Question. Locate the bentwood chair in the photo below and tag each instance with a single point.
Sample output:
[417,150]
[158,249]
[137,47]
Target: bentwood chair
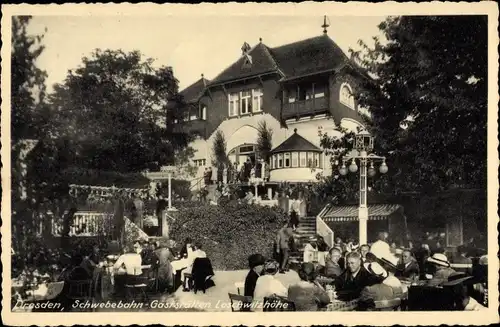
[245,302]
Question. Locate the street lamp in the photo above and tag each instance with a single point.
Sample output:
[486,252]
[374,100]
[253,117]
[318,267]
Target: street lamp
[363,144]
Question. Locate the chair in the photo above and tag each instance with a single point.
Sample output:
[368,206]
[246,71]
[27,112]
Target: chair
[137,284]
[245,301]
[80,290]
[278,303]
[388,305]
[239,287]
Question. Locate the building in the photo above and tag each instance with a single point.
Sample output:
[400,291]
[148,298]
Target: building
[298,89]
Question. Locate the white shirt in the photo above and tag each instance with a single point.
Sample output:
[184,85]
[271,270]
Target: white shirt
[266,286]
[132,263]
[310,253]
[473,305]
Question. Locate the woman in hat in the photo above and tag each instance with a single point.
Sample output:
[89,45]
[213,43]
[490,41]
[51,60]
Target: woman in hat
[443,270]
[268,285]
[462,288]
[307,294]
[256,265]
[385,289]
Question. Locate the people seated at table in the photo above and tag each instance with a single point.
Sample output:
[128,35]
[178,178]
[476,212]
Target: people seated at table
[332,266]
[353,279]
[462,288]
[268,285]
[130,262]
[460,262]
[307,294]
[148,255]
[166,272]
[363,250]
[443,270]
[256,264]
[381,245]
[186,248]
[387,287]
[197,252]
[408,267]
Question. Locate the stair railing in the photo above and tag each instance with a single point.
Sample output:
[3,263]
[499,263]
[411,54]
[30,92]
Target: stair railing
[324,230]
[197,185]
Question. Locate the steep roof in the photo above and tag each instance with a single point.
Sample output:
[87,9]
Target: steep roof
[262,62]
[309,56]
[296,143]
[194,91]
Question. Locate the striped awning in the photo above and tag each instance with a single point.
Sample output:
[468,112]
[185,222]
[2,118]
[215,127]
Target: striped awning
[350,213]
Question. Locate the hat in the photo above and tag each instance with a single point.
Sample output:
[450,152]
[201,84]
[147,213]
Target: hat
[457,278]
[483,260]
[376,269]
[439,259]
[271,266]
[256,260]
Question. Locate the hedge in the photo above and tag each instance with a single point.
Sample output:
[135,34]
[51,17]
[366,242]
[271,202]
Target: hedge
[230,233]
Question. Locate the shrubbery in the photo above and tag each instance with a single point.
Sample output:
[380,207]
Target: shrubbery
[229,233]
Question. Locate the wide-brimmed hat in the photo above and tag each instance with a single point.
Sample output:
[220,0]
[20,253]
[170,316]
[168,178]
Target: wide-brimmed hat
[376,269]
[439,259]
[458,278]
[256,260]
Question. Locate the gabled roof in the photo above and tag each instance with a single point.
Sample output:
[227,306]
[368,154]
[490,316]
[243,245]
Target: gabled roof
[309,56]
[296,143]
[193,92]
[262,62]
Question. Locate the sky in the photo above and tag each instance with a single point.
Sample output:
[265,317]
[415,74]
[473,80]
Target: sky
[191,45]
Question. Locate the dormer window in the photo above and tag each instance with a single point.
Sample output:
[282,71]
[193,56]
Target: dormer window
[346,96]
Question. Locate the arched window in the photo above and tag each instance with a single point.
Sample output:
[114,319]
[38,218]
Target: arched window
[346,96]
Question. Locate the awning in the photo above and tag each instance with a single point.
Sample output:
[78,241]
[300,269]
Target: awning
[350,213]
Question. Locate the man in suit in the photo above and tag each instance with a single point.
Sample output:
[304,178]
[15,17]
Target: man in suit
[385,289]
[256,263]
[354,279]
[408,268]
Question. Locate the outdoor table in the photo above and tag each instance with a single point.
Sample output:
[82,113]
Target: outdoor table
[338,305]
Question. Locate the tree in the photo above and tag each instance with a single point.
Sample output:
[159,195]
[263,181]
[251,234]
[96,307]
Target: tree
[113,112]
[428,101]
[219,153]
[264,140]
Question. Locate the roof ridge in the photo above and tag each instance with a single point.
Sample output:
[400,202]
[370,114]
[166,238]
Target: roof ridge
[234,62]
[300,41]
[268,53]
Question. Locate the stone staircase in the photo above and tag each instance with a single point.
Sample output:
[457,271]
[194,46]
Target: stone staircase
[306,229]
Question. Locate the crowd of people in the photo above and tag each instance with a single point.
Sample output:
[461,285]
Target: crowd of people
[238,172]
[367,273]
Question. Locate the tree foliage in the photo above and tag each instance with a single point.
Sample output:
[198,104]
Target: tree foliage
[428,102]
[264,140]
[219,150]
[113,111]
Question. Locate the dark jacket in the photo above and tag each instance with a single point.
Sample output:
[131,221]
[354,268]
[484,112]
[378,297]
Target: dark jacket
[408,272]
[250,282]
[377,292]
[350,288]
[201,272]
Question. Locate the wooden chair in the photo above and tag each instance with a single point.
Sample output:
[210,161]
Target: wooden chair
[245,301]
[388,305]
[137,285]
[80,290]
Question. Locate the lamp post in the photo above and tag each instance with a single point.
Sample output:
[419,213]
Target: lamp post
[363,144]
[170,170]
[256,181]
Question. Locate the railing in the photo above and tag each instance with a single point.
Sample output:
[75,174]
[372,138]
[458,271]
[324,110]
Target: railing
[304,107]
[85,223]
[198,126]
[324,230]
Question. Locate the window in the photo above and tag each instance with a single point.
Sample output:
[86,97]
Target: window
[245,103]
[233,104]
[203,112]
[200,162]
[303,159]
[316,160]
[346,96]
[193,116]
[319,91]
[246,149]
[295,159]
[275,159]
[280,160]
[287,159]
[257,100]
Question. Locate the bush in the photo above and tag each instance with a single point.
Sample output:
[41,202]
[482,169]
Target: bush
[229,233]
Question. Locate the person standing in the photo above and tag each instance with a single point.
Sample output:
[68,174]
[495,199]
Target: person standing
[283,246]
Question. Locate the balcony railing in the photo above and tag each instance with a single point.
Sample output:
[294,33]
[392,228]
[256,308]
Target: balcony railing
[305,107]
[192,126]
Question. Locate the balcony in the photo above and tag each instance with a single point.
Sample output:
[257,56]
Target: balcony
[304,108]
[196,126]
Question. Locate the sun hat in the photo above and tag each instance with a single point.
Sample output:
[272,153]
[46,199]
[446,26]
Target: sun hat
[457,278]
[483,260]
[376,269]
[439,259]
